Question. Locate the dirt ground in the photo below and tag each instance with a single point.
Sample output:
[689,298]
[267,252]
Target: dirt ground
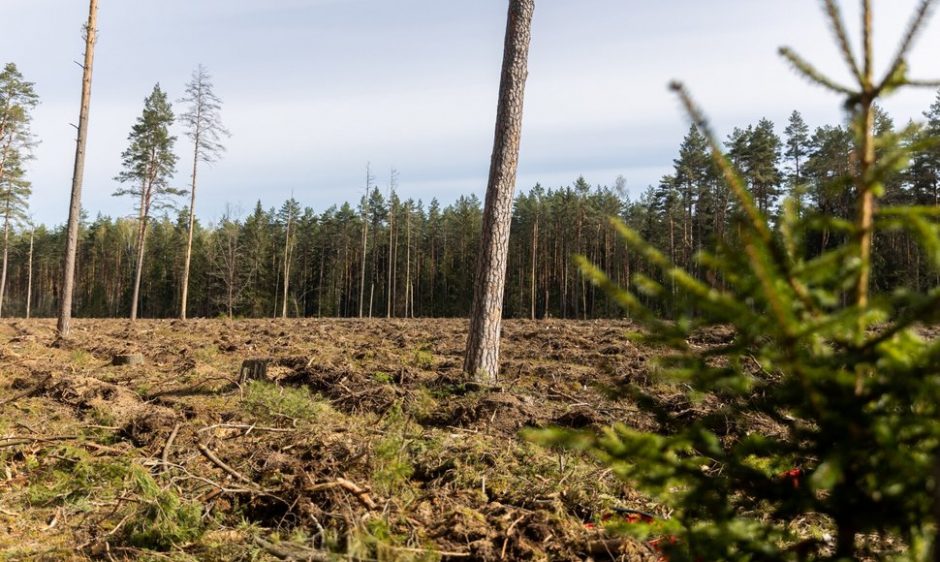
[362,438]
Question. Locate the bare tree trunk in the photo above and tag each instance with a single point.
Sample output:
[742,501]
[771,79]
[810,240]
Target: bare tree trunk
[287,252]
[6,252]
[29,273]
[365,243]
[482,359]
[75,207]
[141,248]
[409,295]
[192,224]
[532,288]
[320,287]
[390,298]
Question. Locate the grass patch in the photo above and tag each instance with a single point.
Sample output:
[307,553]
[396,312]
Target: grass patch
[423,359]
[81,358]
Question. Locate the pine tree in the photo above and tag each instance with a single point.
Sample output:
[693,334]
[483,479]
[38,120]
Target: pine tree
[796,148]
[482,356]
[17,100]
[149,163]
[78,175]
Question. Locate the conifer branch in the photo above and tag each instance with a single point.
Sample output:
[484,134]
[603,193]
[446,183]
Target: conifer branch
[914,27]
[838,29]
[809,72]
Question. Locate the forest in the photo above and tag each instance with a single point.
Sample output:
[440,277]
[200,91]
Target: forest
[419,257]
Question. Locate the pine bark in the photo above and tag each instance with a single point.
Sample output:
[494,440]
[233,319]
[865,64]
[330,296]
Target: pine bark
[139,268]
[29,275]
[287,255]
[6,253]
[75,207]
[482,359]
[187,261]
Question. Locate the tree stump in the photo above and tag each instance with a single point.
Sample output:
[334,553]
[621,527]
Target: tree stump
[128,359]
[253,369]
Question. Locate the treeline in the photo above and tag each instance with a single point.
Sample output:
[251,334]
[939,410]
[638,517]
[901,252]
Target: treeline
[401,258]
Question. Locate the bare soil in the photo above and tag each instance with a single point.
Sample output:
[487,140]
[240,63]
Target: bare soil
[363,438]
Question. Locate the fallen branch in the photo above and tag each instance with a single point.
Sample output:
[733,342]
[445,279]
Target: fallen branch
[286,551]
[165,457]
[443,553]
[218,462]
[248,428]
[361,493]
[15,441]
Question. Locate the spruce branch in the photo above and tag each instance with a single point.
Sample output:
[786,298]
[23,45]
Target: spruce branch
[914,27]
[809,72]
[838,29]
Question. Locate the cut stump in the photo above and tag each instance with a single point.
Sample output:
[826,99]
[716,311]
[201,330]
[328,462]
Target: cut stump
[253,369]
[128,359]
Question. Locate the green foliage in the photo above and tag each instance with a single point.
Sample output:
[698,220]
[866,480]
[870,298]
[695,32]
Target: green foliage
[269,401]
[17,100]
[392,467]
[825,400]
[162,519]
[73,477]
[149,162]
[156,518]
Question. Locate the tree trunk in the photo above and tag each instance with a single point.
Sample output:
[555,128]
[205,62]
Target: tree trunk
[287,252]
[192,224]
[390,297]
[532,287]
[6,253]
[365,243]
[75,207]
[141,247]
[409,296]
[482,359]
[866,196]
[29,274]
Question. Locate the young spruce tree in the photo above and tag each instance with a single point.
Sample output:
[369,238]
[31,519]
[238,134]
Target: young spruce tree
[824,406]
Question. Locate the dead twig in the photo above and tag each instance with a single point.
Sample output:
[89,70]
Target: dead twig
[219,463]
[165,457]
[286,551]
[446,553]
[248,428]
[15,441]
[502,554]
[361,494]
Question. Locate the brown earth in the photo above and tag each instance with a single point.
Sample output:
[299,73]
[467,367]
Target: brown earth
[362,438]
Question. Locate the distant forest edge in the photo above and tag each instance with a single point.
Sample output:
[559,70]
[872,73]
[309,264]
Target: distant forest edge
[419,258]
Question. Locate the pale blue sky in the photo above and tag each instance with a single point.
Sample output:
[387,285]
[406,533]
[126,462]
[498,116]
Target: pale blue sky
[313,89]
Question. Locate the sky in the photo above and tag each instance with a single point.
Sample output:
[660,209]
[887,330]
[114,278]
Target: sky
[313,90]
